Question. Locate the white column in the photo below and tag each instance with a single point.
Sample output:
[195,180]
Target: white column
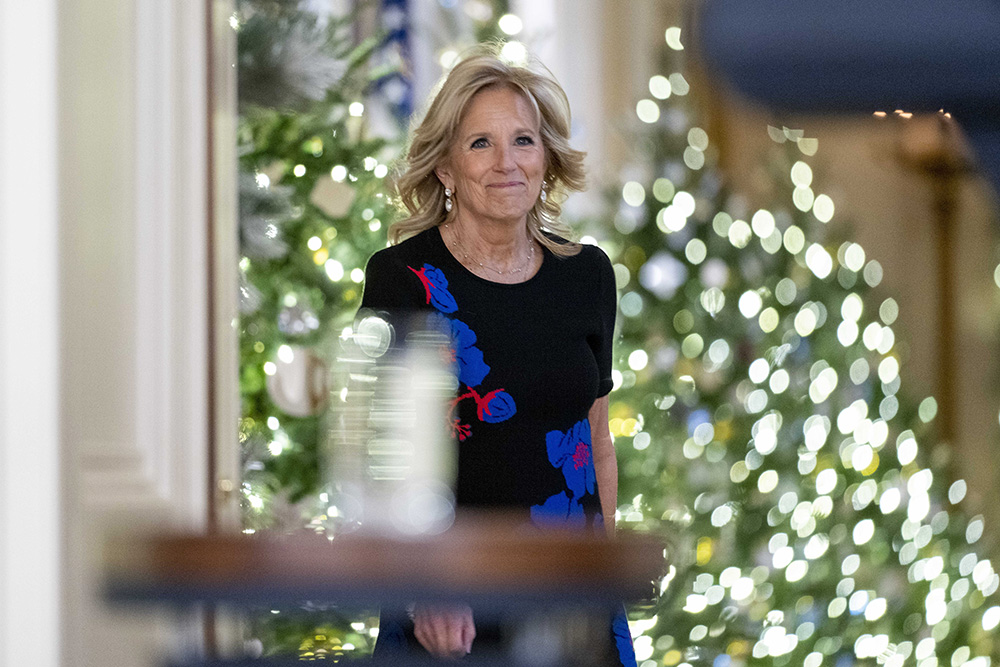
[133,191]
[434,29]
[567,36]
[30,525]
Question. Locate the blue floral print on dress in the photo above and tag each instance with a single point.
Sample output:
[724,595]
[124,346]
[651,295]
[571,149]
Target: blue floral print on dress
[622,637]
[471,367]
[495,407]
[570,451]
[559,510]
[492,407]
[436,286]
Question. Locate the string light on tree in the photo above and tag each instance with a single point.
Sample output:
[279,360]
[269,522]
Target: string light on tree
[769,428]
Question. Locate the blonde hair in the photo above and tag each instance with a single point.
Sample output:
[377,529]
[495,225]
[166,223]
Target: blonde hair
[418,187]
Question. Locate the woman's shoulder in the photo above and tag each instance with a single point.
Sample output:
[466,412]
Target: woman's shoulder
[587,272]
[590,256]
[416,248]
[593,254]
[390,281]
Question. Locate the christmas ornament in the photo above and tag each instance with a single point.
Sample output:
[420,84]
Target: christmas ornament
[297,320]
[249,296]
[332,197]
[264,208]
[298,385]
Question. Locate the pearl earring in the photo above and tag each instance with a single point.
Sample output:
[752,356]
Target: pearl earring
[447,200]
[543,196]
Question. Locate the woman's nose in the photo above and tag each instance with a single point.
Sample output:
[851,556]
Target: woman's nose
[504,159]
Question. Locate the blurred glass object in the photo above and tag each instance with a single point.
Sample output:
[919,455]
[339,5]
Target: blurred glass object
[393,463]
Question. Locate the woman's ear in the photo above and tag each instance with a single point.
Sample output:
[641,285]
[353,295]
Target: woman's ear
[444,175]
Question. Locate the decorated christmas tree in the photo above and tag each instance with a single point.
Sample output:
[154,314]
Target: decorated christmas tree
[312,209]
[761,425]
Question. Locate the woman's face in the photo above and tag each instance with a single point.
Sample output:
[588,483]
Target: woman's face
[496,165]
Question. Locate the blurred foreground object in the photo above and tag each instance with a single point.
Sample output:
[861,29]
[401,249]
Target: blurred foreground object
[393,463]
[503,568]
[862,57]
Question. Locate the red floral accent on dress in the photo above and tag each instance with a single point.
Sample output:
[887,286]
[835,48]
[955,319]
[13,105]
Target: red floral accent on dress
[436,286]
[491,408]
[460,430]
[494,407]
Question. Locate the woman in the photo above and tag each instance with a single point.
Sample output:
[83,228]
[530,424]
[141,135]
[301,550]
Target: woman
[531,314]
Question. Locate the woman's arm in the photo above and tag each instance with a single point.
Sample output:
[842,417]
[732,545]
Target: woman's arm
[605,463]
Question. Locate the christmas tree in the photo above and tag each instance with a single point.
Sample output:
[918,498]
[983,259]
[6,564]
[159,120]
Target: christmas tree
[312,209]
[760,425]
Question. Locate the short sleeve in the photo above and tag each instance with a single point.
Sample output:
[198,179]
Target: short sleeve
[393,293]
[607,306]
[385,285]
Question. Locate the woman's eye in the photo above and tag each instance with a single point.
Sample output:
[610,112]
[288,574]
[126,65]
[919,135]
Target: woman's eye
[525,141]
[479,143]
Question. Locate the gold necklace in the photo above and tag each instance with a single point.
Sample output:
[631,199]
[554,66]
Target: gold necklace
[456,243]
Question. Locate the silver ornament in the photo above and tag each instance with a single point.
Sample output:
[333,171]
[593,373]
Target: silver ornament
[297,320]
[299,384]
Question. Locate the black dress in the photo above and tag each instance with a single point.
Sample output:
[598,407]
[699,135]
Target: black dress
[531,358]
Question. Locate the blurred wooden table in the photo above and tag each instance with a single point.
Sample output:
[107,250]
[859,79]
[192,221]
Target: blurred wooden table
[496,565]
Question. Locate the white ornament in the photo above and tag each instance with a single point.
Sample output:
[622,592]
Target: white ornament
[299,384]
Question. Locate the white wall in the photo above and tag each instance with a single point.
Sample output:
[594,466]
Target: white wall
[567,35]
[30,520]
[105,322]
[603,53]
[134,303]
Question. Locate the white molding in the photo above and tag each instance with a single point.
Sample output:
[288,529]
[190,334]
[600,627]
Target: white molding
[103,309]
[124,477]
[164,458]
[225,247]
[136,330]
[30,462]
[154,239]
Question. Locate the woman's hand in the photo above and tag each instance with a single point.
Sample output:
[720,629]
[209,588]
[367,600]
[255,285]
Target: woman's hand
[446,631]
